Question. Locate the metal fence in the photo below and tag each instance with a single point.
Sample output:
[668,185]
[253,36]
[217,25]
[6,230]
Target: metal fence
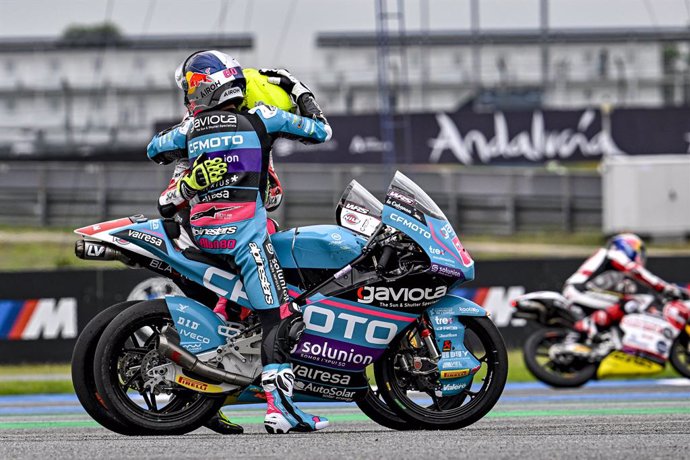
[476,200]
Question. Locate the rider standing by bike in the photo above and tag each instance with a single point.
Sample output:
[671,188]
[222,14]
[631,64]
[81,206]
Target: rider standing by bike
[606,279]
[275,87]
[229,153]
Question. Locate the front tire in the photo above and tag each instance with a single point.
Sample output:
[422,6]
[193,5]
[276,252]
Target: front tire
[559,375]
[484,341]
[376,409]
[127,343]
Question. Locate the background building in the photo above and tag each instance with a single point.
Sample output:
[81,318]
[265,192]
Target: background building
[430,85]
[509,69]
[74,95]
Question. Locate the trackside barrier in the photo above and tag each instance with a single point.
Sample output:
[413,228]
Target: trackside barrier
[476,200]
[42,313]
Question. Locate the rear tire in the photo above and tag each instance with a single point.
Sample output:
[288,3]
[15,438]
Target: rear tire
[680,355]
[553,374]
[122,345]
[82,370]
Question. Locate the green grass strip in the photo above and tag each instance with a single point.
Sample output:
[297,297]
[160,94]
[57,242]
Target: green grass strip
[16,387]
[517,372]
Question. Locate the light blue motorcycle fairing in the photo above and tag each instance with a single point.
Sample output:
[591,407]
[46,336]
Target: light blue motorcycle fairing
[453,304]
[457,365]
[196,324]
[314,246]
[254,394]
[325,246]
[438,240]
[150,235]
[317,246]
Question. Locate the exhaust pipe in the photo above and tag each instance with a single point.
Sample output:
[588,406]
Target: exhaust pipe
[169,346]
[90,250]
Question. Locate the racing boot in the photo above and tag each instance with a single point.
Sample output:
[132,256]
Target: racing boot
[221,424]
[281,415]
[600,320]
[587,328]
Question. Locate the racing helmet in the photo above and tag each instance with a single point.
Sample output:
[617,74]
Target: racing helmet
[210,78]
[631,245]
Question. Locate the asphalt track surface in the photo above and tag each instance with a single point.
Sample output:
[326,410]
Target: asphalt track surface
[612,420]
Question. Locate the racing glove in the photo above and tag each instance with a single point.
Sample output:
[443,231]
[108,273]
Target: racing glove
[171,201]
[673,292]
[287,81]
[308,107]
[204,173]
[274,192]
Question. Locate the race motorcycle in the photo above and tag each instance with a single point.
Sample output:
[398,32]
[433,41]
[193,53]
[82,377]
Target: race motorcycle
[376,291]
[640,344]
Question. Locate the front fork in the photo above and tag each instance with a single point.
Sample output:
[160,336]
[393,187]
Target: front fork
[425,334]
[421,336]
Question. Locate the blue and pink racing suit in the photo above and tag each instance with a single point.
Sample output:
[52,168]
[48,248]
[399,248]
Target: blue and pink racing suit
[229,217]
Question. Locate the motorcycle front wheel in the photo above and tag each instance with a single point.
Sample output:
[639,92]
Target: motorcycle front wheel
[376,409]
[416,401]
[569,374]
[124,353]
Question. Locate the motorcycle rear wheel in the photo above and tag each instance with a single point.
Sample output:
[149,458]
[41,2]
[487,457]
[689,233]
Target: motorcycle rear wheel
[120,350]
[680,355]
[82,371]
[451,412]
[535,354]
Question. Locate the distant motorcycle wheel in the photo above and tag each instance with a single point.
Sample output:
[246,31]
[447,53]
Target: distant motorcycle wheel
[562,375]
[401,391]
[82,371]
[680,355]
[126,349]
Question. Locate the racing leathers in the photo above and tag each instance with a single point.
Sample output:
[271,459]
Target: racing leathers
[273,87]
[604,282]
[228,218]
[169,143]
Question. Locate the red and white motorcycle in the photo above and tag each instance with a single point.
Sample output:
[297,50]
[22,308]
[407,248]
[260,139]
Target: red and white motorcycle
[640,344]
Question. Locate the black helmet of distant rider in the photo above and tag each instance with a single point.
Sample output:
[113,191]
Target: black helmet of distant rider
[209,79]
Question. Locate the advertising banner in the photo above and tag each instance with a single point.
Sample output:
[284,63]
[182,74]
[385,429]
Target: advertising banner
[528,137]
[42,313]
[520,137]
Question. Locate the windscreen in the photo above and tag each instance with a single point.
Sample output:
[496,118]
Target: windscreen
[358,209]
[402,189]
[410,210]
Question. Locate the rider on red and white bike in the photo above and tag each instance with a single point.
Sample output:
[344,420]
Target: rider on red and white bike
[606,282]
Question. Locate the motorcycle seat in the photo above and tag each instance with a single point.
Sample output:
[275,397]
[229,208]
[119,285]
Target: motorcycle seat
[186,244]
[222,262]
[180,236]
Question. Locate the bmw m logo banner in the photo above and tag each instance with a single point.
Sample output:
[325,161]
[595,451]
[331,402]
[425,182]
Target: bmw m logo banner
[38,319]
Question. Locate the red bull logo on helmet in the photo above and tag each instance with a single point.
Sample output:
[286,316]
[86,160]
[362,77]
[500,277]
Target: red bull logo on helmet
[194,79]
